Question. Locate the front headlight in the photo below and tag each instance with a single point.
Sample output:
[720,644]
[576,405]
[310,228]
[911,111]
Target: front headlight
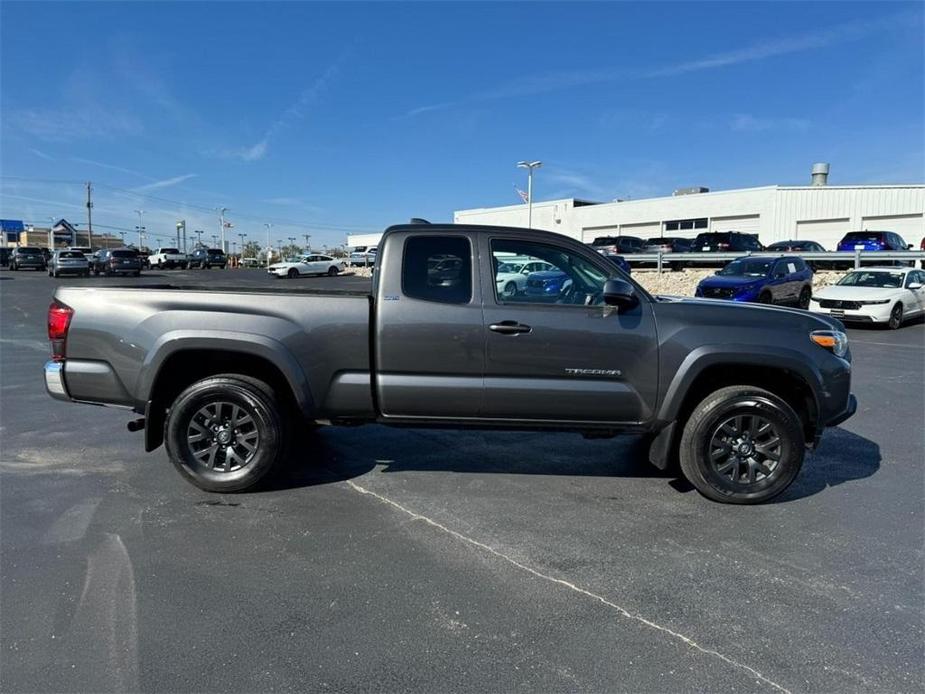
[833,340]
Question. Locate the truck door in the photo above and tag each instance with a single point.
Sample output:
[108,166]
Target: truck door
[556,352]
[429,340]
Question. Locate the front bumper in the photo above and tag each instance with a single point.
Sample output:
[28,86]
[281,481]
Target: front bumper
[872,313]
[54,380]
[849,411]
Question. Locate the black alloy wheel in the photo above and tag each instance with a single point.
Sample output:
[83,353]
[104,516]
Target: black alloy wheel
[896,317]
[805,295]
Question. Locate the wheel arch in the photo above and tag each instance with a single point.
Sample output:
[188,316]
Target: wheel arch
[184,361]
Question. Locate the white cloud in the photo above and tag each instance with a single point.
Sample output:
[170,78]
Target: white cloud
[166,183]
[744,122]
[41,155]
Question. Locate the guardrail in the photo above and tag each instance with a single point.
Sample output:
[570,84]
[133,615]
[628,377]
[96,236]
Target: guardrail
[852,258]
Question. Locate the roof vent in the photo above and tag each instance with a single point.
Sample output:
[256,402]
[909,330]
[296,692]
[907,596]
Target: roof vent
[820,174]
[691,191]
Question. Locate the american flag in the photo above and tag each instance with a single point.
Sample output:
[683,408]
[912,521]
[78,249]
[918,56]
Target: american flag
[523,195]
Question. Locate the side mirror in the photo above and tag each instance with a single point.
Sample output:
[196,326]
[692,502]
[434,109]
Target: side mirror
[619,293]
[915,285]
[909,246]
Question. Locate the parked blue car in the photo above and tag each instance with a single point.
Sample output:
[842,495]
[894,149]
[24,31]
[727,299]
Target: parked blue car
[550,283]
[784,280]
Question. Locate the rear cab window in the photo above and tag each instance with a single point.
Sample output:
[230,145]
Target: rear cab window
[437,268]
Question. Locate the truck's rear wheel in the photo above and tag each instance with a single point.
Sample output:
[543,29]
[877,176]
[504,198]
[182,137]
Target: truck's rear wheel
[226,433]
[742,445]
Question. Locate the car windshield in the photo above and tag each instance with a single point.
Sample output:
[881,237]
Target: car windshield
[510,268]
[863,236]
[884,280]
[214,251]
[747,268]
[70,254]
[604,241]
[172,251]
[28,250]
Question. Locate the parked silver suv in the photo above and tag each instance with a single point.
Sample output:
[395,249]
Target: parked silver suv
[68,263]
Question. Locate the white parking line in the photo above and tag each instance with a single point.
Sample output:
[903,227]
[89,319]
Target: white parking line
[883,344]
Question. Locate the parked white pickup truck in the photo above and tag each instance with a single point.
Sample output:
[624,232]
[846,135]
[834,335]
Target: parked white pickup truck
[168,258]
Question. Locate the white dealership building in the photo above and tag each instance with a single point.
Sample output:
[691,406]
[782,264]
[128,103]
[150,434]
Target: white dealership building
[819,212]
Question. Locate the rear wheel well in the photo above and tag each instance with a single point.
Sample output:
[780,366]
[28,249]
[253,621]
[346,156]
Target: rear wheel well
[782,382]
[182,369]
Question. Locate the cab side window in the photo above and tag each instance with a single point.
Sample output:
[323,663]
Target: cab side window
[438,268]
[561,276]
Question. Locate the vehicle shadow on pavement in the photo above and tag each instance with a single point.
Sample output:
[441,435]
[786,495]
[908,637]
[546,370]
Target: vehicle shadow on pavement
[338,455]
[841,457]
[343,454]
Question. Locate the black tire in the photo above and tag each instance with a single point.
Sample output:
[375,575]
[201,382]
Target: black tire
[96,271]
[332,271]
[765,426]
[49,273]
[292,274]
[765,298]
[510,289]
[805,295]
[14,267]
[896,317]
[262,426]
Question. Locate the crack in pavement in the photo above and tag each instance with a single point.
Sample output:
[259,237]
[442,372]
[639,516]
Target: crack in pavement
[571,586]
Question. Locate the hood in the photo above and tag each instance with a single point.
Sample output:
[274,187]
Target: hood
[731,281]
[855,293]
[722,314]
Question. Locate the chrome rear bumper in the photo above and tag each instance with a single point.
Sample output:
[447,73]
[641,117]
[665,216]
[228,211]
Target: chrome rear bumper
[54,380]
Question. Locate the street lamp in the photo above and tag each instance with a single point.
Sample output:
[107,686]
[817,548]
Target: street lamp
[199,233]
[140,228]
[242,237]
[221,220]
[308,242]
[529,166]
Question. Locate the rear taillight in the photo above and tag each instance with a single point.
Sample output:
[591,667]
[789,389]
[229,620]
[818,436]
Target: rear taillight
[722,245]
[59,320]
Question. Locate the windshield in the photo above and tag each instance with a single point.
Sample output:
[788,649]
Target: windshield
[604,241]
[70,254]
[747,268]
[123,254]
[510,268]
[28,250]
[883,280]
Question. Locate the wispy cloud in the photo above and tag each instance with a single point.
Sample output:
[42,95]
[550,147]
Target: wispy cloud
[744,122]
[166,183]
[111,167]
[41,155]
[80,123]
[762,50]
[294,113]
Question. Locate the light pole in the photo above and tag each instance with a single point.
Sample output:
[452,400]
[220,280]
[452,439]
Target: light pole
[181,225]
[199,233]
[291,240]
[215,241]
[308,242]
[140,228]
[221,221]
[529,166]
[242,237]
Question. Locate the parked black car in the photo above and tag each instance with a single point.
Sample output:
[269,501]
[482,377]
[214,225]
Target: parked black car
[725,242]
[800,246]
[116,261]
[205,258]
[27,257]
[5,253]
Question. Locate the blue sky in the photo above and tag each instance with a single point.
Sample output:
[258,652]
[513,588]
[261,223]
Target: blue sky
[333,118]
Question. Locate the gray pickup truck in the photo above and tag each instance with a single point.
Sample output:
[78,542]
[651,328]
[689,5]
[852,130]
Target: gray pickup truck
[227,376]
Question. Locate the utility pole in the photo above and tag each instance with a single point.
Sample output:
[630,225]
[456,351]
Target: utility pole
[181,225]
[242,236]
[199,233]
[89,216]
[291,240]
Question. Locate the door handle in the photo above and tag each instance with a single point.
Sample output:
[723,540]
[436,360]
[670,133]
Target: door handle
[510,327]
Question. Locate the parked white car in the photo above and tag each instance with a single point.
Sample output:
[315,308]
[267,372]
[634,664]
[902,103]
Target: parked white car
[887,295]
[308,265]
[168,258]
[511,275]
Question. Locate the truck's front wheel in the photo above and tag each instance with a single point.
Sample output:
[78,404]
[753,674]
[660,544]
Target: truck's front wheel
[226,433]
[742,445]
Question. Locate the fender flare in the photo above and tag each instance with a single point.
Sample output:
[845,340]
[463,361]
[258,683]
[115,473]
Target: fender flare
[749,355]
[176,341]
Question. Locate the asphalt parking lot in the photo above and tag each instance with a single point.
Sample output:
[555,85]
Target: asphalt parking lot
[424,560]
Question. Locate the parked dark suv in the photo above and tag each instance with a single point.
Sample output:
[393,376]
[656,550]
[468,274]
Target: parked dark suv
[618,244]
[27,257]
[725,242]
[205,258]
[116,261]
[800,246]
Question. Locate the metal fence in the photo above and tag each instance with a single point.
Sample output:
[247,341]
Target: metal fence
[839,259]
